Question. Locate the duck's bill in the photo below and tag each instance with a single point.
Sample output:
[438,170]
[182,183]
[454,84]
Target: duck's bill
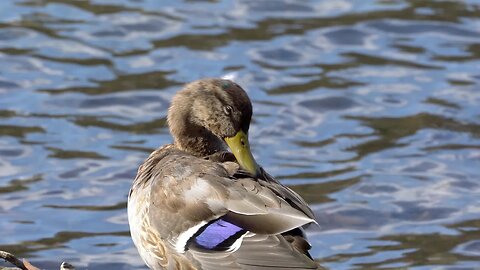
[241,150]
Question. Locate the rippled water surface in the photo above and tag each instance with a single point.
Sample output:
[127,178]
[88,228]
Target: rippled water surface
[369,109]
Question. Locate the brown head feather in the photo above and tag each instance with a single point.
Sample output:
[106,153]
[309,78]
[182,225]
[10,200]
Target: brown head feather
[206,111]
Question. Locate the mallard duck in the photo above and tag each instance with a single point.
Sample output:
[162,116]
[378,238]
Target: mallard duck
[196,205]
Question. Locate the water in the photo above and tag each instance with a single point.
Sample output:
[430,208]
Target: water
[369,109]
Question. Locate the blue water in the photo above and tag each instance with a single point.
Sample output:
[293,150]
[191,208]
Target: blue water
[369,109]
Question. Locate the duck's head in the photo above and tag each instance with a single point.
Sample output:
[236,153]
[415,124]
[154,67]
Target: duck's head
[208,114]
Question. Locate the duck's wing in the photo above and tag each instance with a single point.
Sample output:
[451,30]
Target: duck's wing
[280,190]
[263,222]
[286,193]
[257,252]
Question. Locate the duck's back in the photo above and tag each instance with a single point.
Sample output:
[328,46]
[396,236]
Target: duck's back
[190,213]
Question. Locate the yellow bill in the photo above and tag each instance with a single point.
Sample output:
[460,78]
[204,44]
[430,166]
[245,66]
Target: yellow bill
[241,150]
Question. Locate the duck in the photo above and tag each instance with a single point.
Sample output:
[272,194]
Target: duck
[203,202]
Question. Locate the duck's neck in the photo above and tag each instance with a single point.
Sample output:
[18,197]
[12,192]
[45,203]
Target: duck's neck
[191,137]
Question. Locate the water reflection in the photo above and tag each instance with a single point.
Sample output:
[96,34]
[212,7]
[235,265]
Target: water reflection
[369,109]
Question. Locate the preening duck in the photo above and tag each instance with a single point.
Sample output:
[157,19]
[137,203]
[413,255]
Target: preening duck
[204,203]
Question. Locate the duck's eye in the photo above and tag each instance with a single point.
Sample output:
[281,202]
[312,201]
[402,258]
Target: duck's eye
[225,85]
[227,109]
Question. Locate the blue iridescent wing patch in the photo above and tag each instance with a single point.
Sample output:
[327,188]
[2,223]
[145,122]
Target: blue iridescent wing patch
[218,235]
